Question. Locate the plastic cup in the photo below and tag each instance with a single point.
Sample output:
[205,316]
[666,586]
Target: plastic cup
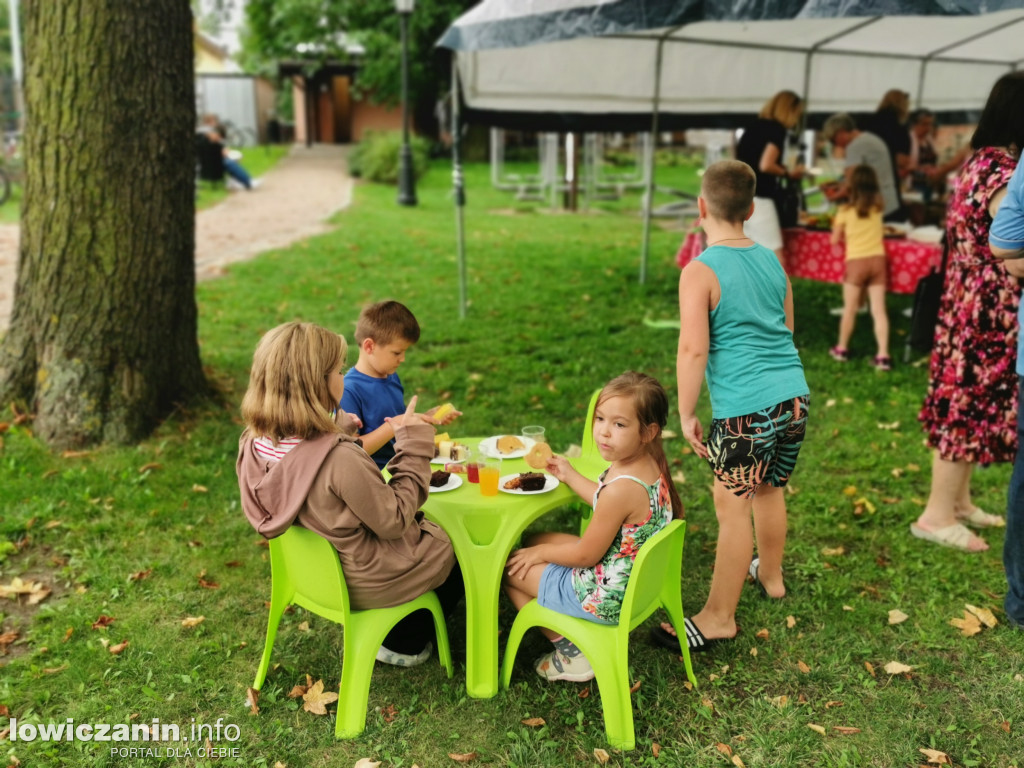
[535,432]
[473,471]
[489,474]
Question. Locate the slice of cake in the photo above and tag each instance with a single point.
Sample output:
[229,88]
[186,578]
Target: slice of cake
[507,444]
[439,478]
[527,481]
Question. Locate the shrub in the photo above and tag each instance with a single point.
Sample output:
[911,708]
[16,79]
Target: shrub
[375,157]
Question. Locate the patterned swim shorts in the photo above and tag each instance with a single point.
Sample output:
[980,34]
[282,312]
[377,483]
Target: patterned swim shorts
[748,451]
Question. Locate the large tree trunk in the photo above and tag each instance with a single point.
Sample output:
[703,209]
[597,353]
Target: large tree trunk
[102,342]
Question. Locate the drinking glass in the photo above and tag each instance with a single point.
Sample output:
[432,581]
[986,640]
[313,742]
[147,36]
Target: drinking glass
[488,472]
[535,432]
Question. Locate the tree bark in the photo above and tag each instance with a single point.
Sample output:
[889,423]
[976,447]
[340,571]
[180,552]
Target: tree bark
[103,339]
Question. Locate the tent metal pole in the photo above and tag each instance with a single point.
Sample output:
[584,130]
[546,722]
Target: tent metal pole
[649,193]
[458,188]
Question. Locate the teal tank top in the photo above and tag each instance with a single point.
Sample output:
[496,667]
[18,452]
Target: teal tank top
[752,361]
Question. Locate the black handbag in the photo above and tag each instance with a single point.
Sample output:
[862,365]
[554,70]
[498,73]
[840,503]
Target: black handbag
[925,312]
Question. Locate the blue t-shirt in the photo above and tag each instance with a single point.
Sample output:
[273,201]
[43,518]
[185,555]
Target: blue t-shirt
[1007,231]
[372,399]
[752,361]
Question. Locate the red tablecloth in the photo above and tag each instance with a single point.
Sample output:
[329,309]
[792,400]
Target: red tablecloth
[810,254]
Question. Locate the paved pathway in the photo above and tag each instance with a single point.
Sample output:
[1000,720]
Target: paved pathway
[293,201]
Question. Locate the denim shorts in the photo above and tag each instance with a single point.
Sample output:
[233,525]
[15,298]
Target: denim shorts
[556,592]
[759,448]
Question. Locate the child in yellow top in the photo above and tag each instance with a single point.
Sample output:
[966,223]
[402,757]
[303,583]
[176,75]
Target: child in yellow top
[859,223]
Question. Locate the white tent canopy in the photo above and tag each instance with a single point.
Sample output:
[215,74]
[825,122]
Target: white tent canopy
[597,59]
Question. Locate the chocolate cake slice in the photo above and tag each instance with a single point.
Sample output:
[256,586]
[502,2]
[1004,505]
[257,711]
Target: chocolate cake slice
[527,481]
[439,478]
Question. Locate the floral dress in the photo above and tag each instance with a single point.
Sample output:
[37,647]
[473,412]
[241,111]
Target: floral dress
[602,588]
[970,411]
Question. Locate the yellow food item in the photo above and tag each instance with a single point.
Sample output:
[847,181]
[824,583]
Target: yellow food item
[438,439]
[443,411]
[509,444]
[537,457]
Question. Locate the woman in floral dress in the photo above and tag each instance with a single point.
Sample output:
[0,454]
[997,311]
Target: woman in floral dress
[970,411]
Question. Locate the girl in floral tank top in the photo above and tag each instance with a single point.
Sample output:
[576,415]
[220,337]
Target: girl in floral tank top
[602,588]
[586,576]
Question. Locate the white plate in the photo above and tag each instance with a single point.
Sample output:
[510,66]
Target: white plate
[550,483]
[454,481]
[489,447]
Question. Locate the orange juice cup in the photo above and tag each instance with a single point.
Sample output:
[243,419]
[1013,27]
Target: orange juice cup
[489,479]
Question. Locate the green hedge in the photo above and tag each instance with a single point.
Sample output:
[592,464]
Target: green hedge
[375,157]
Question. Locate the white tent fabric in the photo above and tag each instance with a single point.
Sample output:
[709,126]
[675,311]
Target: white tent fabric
[690,57]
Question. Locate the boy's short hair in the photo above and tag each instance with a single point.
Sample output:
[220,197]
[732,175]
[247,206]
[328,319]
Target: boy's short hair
[385,322]
[838,122]
[728,189]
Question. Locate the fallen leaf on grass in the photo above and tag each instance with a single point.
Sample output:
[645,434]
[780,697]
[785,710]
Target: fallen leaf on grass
[74,454]
[845,730]
[140,575]
[150,467]
[206,584]
[55,670]
[68,634]
[116,649]
[655,749]
[850,490]
[53,524]
[779,701]
[300,690]
[753,651]
[891,425]
[803,667]
[870,668]
[315,700]
[303,626]
[833,551]
[969,625]
[365,762]
[192,621]
[584,693]
[763,633]
[389,713]
[934,756]
[790,622]
[816,728]
[252,698]
[103,621]
[279,764]
[463,757]
[635,687]
[602,756]
[709,704]
[830,704]
[35,591]
[863,502]
[725,749]
[196,488]
[897,616]
[4,734]
[738,762]
[985,616]
[896,668]
[533,722]
[6,639]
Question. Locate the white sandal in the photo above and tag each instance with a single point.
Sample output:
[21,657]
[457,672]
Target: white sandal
[956,536]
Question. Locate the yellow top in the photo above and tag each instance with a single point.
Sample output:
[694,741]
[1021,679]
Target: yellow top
[863,236]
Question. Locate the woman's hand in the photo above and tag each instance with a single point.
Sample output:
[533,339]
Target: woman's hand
[408,417]
[522,560]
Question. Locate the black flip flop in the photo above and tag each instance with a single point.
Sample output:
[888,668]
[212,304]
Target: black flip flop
[694,638]
[660,636]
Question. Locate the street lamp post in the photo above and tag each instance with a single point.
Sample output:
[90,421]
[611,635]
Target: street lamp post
[406,173]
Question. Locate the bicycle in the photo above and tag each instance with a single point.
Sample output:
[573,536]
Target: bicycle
[11,165]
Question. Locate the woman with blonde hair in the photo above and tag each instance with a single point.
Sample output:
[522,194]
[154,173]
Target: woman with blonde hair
[300,462]
[762,146]
[889,123]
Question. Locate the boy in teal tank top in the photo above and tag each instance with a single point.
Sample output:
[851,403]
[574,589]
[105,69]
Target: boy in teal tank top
[736,329]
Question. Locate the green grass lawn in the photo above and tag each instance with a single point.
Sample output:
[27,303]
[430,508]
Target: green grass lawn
[151,535]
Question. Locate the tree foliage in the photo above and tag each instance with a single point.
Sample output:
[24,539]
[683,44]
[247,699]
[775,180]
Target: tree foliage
[318,31]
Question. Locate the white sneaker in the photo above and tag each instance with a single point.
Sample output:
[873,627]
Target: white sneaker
[387,656]
[558,666]
[255,183]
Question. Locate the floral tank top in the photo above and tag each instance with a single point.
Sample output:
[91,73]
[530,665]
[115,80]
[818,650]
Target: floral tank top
[602,588]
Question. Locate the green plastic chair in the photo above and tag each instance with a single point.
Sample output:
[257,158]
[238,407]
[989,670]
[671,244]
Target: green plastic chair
[654,581]
[306,571]
[590,455]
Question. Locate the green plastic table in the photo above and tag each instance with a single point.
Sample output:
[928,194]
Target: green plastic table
[483,530]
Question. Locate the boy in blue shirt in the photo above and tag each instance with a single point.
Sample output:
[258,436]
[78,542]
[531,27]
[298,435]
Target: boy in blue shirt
[373,392]
[736,328]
